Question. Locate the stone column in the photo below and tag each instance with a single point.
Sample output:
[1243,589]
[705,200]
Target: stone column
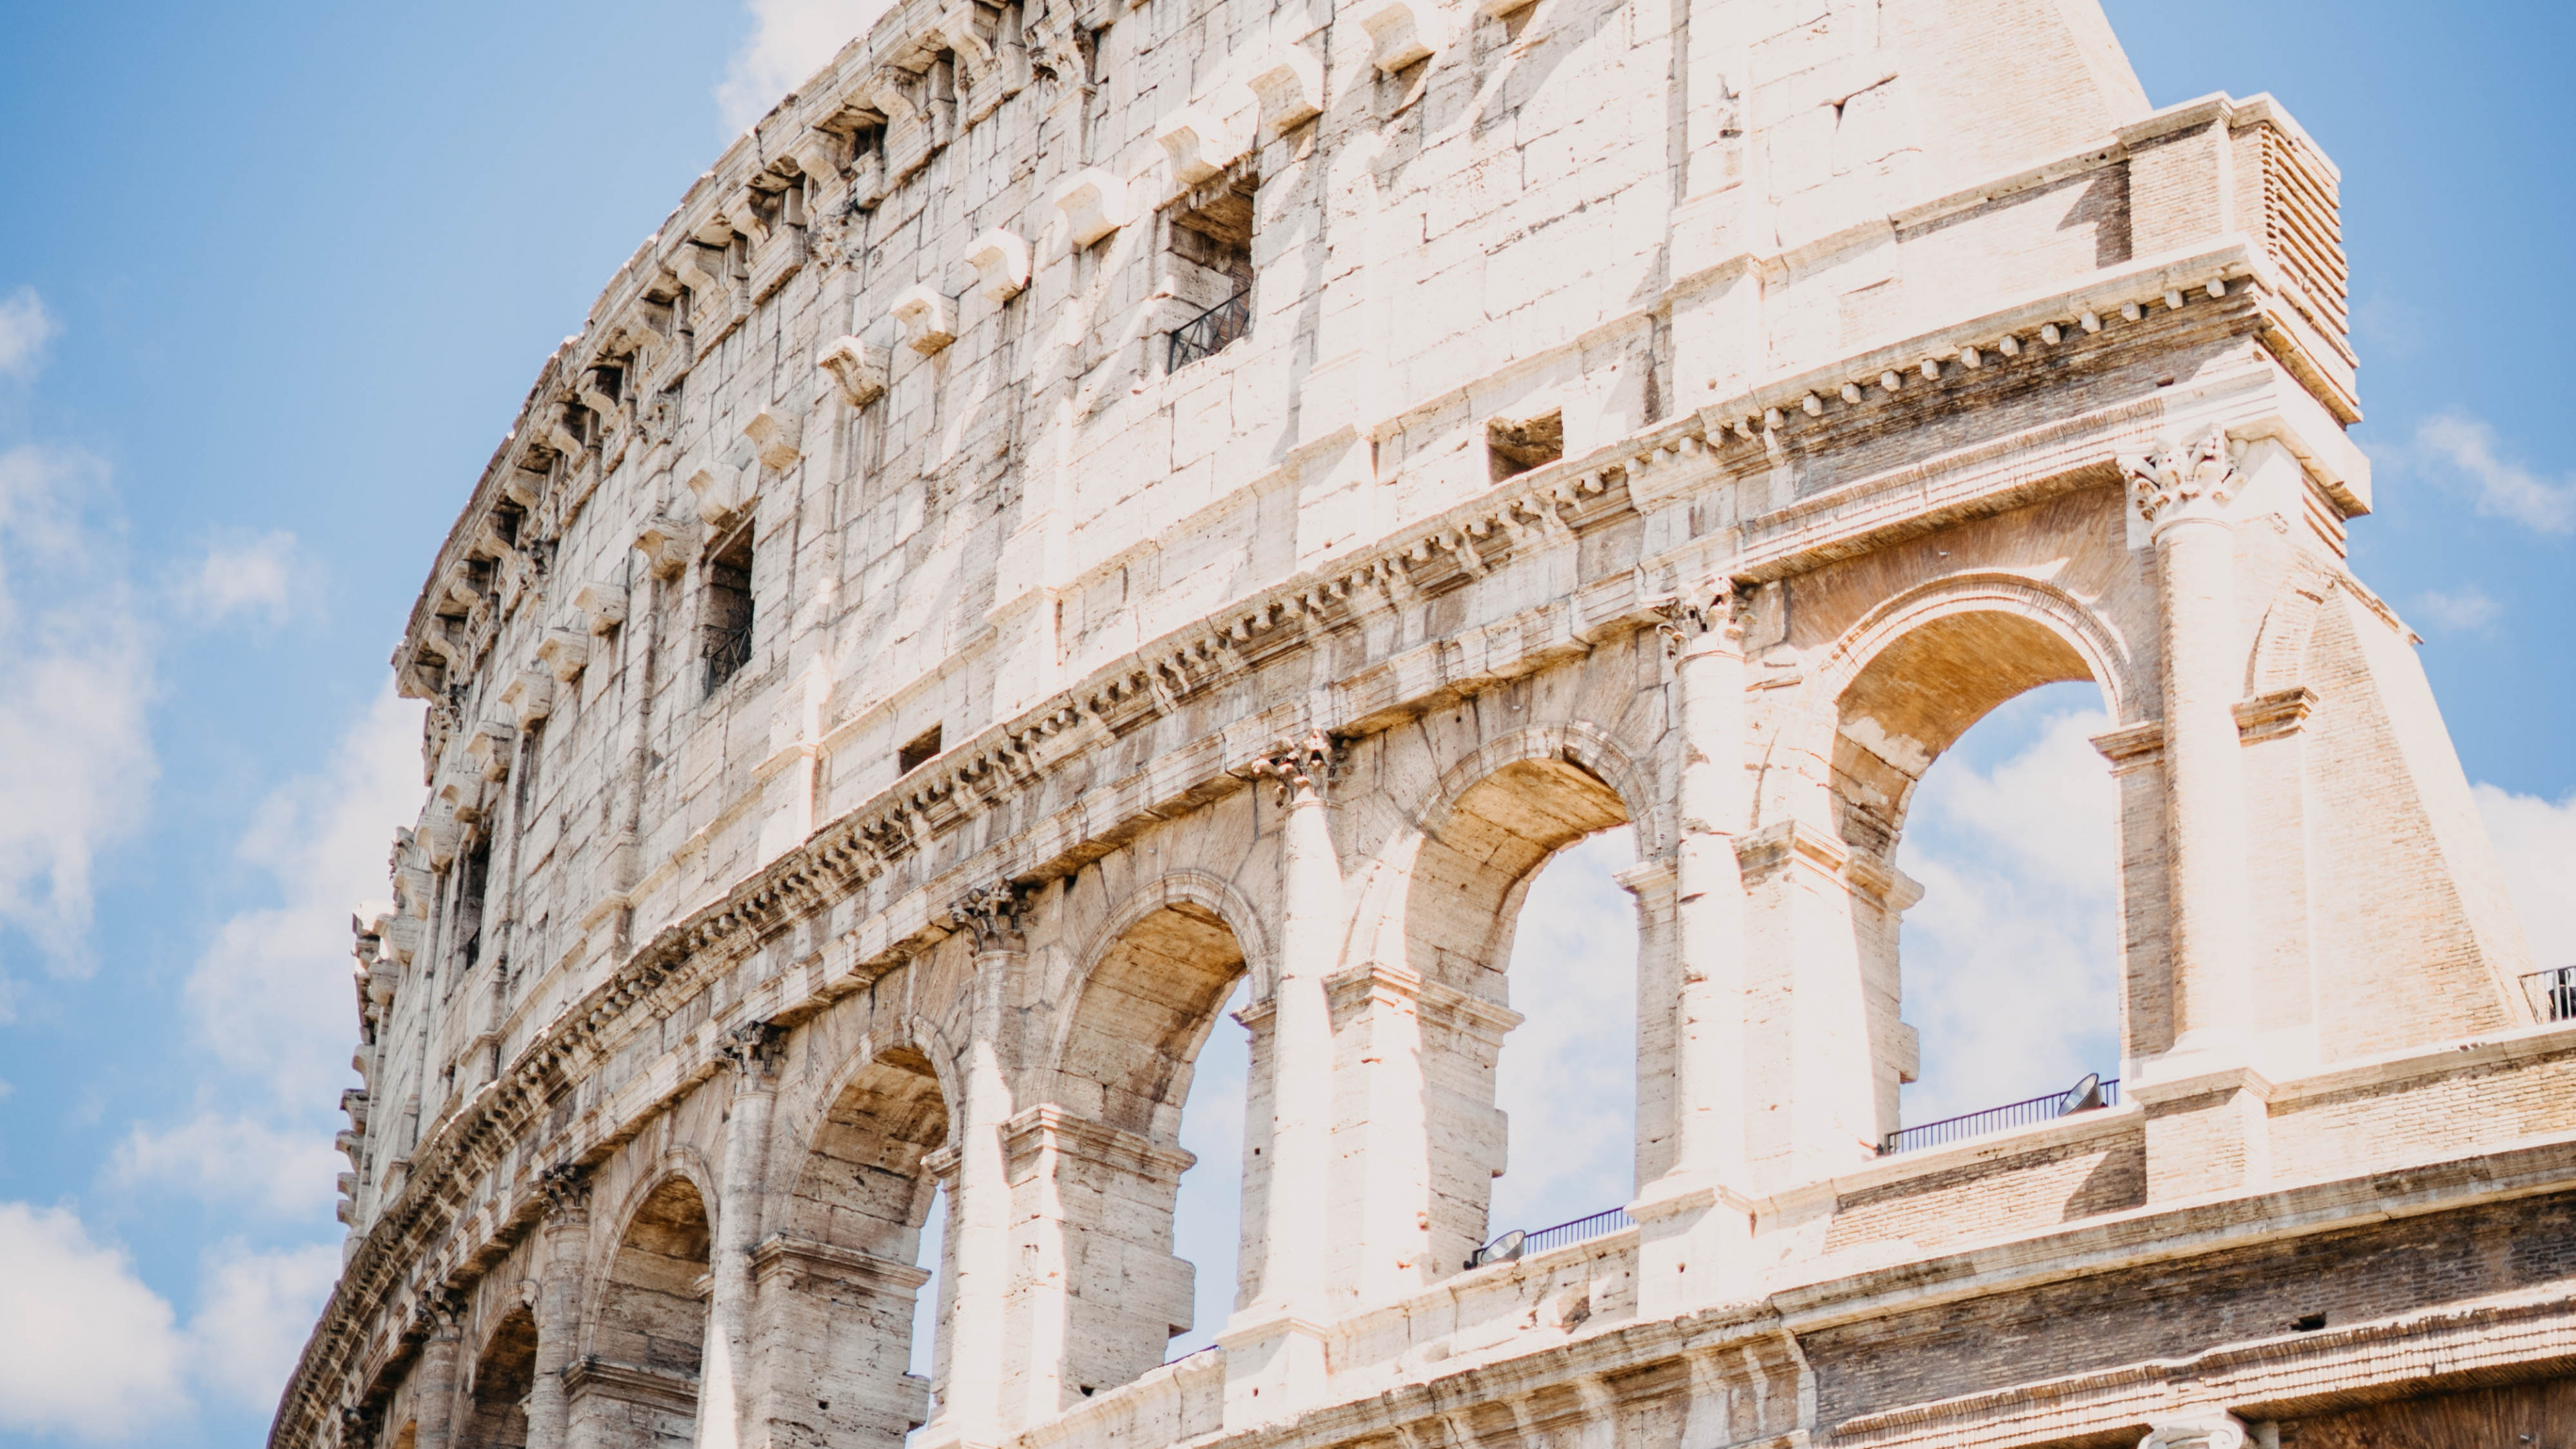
[567,1237]
[2182,492]
[978,1250]
[1692,1226]
[1274,1345]
[434,1377]
[2207,1108]
[726,1412]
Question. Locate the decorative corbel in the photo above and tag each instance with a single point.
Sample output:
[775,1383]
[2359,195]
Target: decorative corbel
[529,696]
[666,544]
[1001,263]
[857,368]
[488,751]
[1094,203]
[1401,33]
[927,317]
[777,437]
[603,604]
[718,490]
[1199,144]
[566,652]
[1290,89]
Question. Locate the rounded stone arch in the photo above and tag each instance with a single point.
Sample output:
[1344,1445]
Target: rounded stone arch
[642,1308]
[1905,682]
[1122,1055]
[1563,781]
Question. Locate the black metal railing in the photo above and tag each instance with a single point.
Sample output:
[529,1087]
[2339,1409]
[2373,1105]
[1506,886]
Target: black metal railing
[728,650]
[1581,1230]
[2085,1096]
[2552,993]
[1212,331]
[1511,1247]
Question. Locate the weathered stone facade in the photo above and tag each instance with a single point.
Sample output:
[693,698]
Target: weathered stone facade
[1085,506]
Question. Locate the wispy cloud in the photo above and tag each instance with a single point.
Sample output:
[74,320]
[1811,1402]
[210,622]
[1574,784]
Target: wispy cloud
[25,328]
[2462,451]
[76,679]
[789,41]
[233,1159]
[271,996]
[1567,1077]
[89,1351]
[86,1348]
[2011,958]
[250,575]
[2464,610]
[2535,842]
[253,1312]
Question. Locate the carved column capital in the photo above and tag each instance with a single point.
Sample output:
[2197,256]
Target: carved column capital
[567,1189]
[1714,606]
[440,1315]
[751,1049]
[1302,769]
[991,914]
[2190,479]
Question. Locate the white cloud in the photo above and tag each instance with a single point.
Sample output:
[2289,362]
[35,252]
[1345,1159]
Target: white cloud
[271,994]
[2465,609]
[789,41]
[1567,1076]
[2536,844]
[76,677]
[241,576]
[25,328]
[2011,969]
[2504,489]
[253,1313]
[86,1349]
[242,1159]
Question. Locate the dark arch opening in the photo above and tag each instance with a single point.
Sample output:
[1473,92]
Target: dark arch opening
[496,1413]
[640,1383]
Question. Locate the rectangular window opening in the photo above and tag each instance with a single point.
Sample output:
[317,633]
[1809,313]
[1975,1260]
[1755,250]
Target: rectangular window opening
[923,749]
[728,614]
[1211,267]
[1515,446]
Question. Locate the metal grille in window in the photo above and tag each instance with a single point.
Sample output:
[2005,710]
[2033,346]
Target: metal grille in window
[728,611]
[1212,331]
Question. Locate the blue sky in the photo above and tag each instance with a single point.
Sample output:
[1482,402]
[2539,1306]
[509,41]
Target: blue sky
[278,276]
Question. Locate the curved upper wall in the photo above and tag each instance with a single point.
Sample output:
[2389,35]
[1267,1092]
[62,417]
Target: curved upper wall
[913,421]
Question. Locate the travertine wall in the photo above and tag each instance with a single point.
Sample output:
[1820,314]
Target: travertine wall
[1089,507]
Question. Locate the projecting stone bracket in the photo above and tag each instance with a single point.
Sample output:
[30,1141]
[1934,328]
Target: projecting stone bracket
[857,369]
[926,315]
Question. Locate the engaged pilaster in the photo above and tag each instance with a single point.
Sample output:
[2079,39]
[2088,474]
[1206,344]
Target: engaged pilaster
[434,1384]
[1274,1345]
[1692,1225]
[567,1235]
[727,1407]
[970,1405]
[2182,491]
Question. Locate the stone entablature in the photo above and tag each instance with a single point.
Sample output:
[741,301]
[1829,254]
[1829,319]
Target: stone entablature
[888,692]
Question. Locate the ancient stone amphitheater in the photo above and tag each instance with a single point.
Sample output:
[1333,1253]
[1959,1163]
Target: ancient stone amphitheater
[1089,505]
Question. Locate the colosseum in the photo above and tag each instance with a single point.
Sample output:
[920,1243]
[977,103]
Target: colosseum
[1092,507]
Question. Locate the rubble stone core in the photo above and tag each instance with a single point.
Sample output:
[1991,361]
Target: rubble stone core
[1090,506]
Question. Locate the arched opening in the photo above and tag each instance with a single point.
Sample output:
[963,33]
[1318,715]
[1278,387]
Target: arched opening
[1566,1081]
[496,1409]
[1464,907]
[1131,1057]
[638,1386]
[859,1243]
[2013,959]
